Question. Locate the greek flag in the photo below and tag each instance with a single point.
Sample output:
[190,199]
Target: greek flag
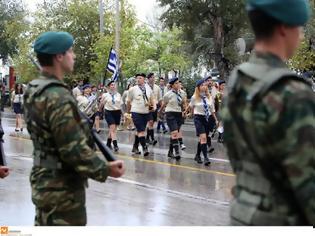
[112,65]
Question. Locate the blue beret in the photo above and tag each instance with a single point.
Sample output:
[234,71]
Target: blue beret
[208,77]
[86,86]
[53,42]
[290,12]
[221,82]
[173,80]
[200,82]
[110,82]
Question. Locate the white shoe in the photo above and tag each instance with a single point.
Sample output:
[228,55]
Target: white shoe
[183,147]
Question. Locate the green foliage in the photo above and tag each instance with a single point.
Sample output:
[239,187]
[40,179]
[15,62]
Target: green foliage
[210,27]
[141,49]
[11,13]
[78,17]
[304,59]
[189,81]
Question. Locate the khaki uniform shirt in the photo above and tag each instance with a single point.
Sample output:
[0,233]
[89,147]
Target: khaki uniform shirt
[172,103]
[197,105]
[107,99]
[139,102]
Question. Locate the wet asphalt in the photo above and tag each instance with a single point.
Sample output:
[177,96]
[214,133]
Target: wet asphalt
[155,190]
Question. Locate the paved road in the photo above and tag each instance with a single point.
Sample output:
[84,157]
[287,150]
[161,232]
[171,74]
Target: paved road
[155,191]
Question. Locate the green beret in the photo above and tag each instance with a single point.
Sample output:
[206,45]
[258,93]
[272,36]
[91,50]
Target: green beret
[53,42]
[290,12]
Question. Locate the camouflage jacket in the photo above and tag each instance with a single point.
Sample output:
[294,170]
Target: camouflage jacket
[64,151]
[280,125]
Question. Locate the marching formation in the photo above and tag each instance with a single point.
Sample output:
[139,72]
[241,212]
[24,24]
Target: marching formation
[146,105]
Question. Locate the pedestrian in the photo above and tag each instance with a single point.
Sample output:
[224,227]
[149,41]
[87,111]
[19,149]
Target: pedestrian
[17,101]
[269,121]
[153,114]
[173,104]
[111,101]
[64,150]
[161,117]
[208,82]
[218,105]
[77,90]
[140,103]
[126,118]
[204,118]
[88,104]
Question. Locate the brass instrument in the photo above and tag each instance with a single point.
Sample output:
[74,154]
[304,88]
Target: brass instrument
[92,106]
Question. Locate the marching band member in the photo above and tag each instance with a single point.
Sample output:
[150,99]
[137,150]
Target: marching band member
[87,103]
[112,101]
[161,117]
[140,104]
[201,104]
[173,104]
[153,114]
[218,105]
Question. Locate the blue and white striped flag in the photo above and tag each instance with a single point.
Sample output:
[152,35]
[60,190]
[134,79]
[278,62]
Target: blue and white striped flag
[112,65]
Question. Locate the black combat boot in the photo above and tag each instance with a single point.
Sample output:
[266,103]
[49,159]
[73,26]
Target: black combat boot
[204,151]
[220,138]
[210,148]
[197,157]
[135,148]
[176,148]
[116,149]
[109,143]
[170,150]
[144,146]
[154,141]
[147,139]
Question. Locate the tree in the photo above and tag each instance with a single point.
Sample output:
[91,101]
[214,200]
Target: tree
[210,27]
[11,11]
[81,19]
[304,59]
[141,49]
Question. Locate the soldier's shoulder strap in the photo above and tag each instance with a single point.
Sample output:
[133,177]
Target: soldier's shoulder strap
[42,83]
[265,81]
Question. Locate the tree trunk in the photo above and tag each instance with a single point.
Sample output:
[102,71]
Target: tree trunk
[218,55]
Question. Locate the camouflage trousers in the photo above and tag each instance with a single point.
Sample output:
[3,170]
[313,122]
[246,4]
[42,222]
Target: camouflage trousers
[73,217]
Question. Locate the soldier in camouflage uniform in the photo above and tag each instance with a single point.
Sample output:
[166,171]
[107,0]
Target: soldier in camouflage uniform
[64,150]
[269,120]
